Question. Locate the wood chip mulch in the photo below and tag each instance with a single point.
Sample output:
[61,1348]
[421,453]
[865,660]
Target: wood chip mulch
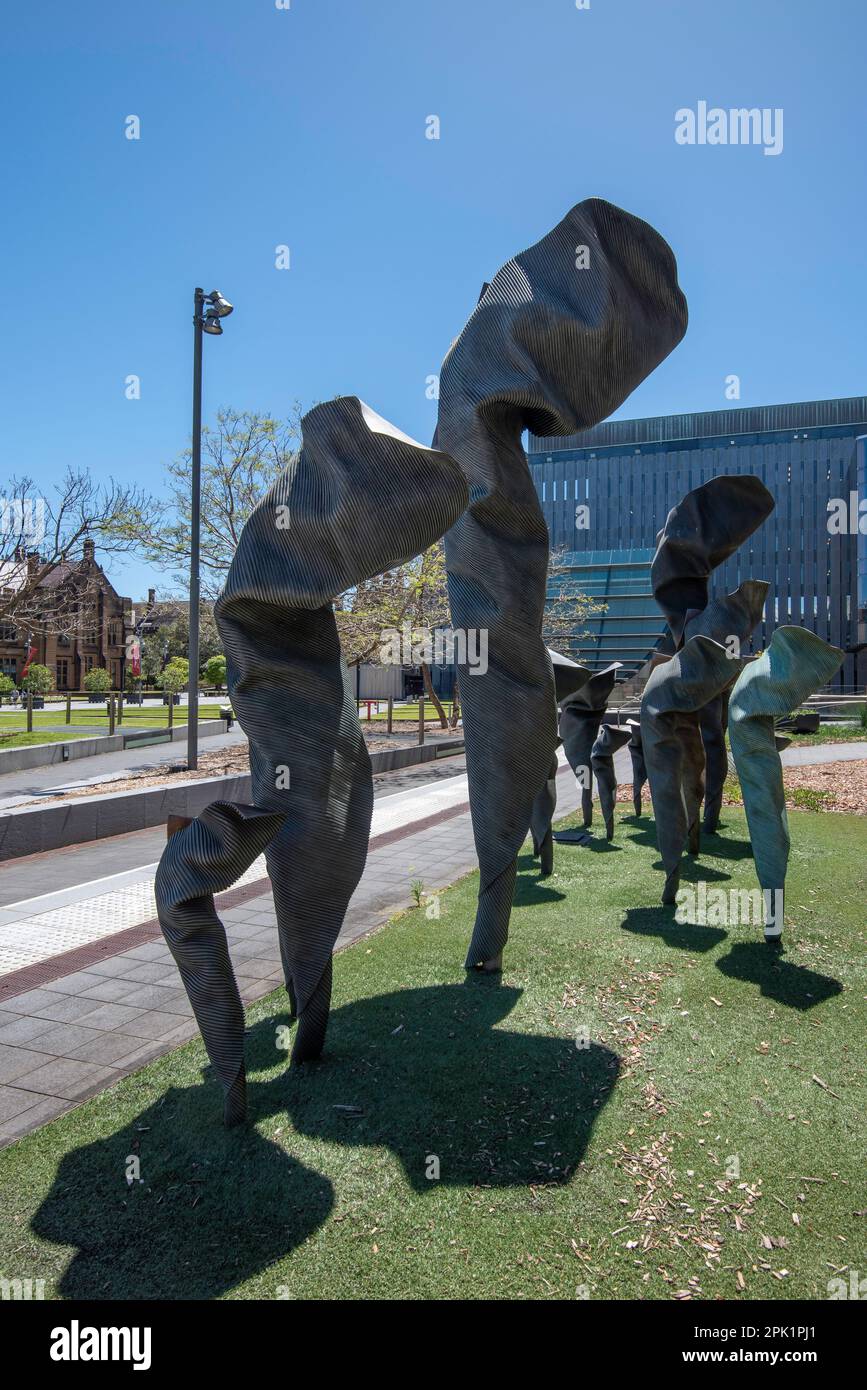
[843,784]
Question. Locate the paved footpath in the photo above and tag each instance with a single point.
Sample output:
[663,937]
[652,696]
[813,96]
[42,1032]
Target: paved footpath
[88,989]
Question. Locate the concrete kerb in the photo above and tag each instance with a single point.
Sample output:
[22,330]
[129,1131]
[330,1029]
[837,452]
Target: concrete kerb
[36,829]
[47,754]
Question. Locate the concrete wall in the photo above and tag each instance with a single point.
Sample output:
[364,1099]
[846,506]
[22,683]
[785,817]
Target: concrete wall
[35,829]
[47,754]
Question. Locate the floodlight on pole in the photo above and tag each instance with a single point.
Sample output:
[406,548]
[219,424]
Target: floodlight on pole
[204,321]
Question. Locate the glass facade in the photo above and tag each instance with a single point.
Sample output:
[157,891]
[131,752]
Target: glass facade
[609,489]
[629,623]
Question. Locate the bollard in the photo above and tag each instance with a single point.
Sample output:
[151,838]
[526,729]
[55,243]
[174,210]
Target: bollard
[421,719]
[172,710]
[120,707]
[111,712]
[69,707]
[30,711]
[390,713]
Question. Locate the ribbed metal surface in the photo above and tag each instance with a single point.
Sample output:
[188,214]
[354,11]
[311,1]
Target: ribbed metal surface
[795,665]
[359,499]
[549,346]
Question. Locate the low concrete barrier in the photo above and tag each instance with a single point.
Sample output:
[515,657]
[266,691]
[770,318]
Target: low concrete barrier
[34,829]
[47,754]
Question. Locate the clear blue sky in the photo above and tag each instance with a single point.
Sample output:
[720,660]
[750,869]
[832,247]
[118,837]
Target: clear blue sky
[306,127]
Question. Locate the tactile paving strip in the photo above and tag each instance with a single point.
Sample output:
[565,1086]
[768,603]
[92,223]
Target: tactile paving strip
[38,936]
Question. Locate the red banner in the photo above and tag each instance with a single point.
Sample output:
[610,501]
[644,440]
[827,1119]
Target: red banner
[29,653]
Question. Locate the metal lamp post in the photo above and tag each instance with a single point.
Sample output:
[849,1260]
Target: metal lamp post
[204,321]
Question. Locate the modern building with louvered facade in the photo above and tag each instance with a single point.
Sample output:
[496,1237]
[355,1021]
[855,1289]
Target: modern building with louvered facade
[606,492]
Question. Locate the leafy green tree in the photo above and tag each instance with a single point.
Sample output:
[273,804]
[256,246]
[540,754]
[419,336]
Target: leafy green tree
[175,675]
[7,685]
[567,607]
[39,680]
[215,670]
[97,681]
[176,634]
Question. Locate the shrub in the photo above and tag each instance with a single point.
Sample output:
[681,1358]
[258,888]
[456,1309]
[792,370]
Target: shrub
[97,681]
[215,670]
[175,675]
[39,680]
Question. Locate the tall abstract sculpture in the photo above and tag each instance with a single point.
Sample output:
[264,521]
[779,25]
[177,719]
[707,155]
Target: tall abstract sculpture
[609,741]
[674,697]
[569,677]
[553,348]
[729,620]
[795,664]
[639,767]
[700,533]
[580,721]
[360,498]
[557,342]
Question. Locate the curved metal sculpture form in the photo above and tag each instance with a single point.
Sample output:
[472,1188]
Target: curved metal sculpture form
[729,620]
[795,664]
[552,348]
[674,696]
[205,858]
[358,499]
[609,740]
[639,768]
[569,677]
[580,720]
[699,534]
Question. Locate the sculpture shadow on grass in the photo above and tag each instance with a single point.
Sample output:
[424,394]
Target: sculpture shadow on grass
[217,1207]
[796,986]
[521,1114]
[529,888]
[660,921]
[713,846]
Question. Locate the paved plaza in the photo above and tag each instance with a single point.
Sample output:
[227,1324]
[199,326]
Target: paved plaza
[88,989]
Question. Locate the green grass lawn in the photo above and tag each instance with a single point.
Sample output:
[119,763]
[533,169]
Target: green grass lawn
[404,712]
[48,725]
[25,740]
[829,733]
[709,1139]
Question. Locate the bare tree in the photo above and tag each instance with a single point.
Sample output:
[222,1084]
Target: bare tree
[242,455]
[44,586]
[566,608]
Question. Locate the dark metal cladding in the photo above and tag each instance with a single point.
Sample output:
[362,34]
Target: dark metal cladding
[608,741]
[360,498]
[796,664]
[553,348]
[673,699]
[700,533]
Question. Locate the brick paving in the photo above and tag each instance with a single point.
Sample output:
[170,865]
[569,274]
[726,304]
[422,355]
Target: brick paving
[90,1015]
[85,1028]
